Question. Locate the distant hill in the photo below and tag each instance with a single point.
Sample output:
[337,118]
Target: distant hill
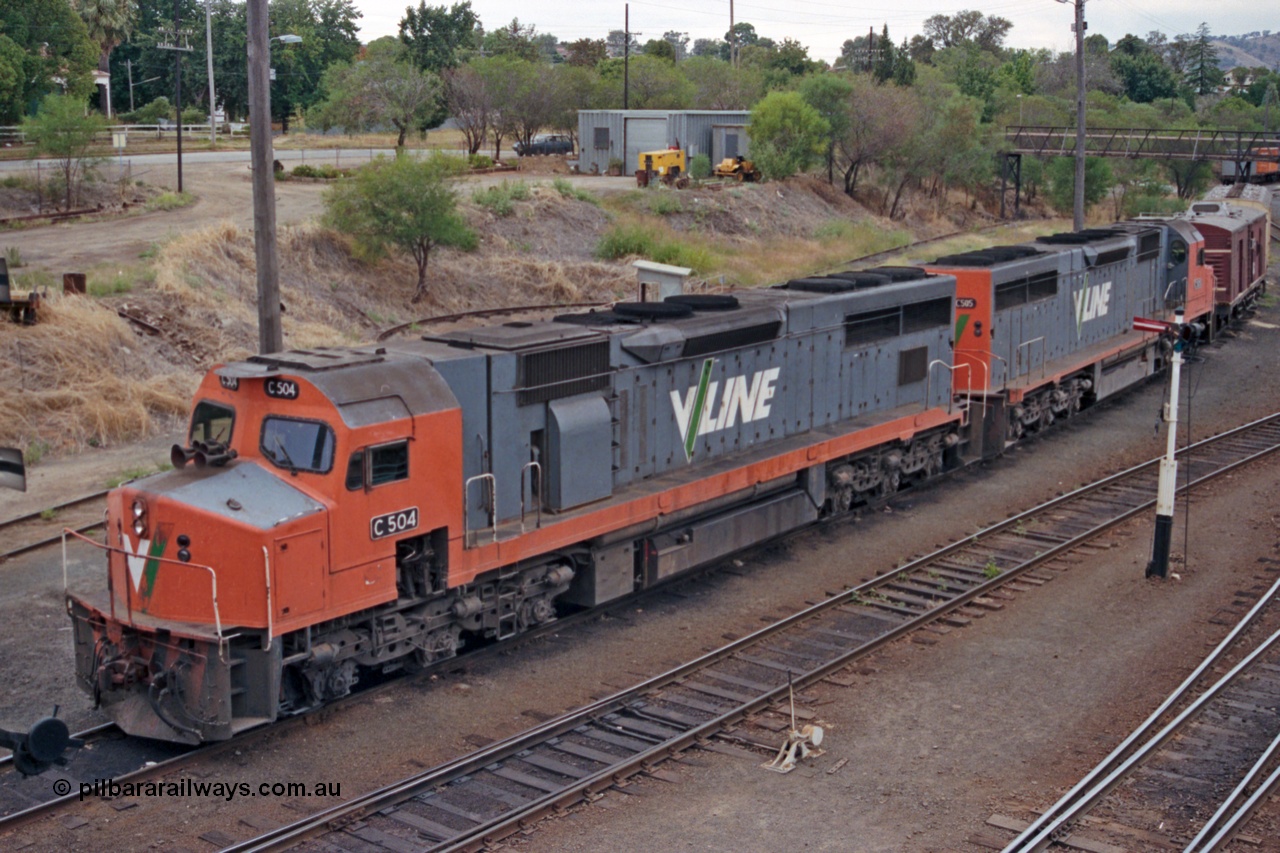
[1250,50]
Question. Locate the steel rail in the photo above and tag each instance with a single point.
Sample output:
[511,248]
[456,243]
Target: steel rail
[1231,816]
[587,785]
[33,516]
[1235,822]
[1052,818]
[1118,772]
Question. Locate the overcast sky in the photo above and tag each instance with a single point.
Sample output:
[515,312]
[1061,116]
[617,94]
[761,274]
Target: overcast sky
[823,25]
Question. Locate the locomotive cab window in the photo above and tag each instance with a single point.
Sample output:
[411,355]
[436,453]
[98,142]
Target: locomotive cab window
[386,463]
[1178,252]
[296,445]
[212,422]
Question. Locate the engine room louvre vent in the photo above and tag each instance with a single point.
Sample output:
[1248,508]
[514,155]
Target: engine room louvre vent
[551,374]
[730,339]
[1148,247]
[1111,256]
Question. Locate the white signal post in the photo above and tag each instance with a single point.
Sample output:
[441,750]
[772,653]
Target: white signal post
[1159,565]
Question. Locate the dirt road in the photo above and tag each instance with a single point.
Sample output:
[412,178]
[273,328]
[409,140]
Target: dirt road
[223,192]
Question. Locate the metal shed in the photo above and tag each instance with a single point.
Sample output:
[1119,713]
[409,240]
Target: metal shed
[605,135]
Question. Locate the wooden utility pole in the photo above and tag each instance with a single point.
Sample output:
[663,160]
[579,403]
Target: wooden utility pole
[177,41]
[270,333]
[626,56]
[208,52]
[733,39]
[1078,28]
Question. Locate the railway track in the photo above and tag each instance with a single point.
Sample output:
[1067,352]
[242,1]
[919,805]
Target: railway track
[39,529]
[483,797]
[1193,773]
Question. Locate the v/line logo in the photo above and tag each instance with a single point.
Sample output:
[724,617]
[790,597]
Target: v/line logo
[1092,302]
[744,398]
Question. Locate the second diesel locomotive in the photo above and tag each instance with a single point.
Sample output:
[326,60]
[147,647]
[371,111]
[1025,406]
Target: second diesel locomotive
[338,510]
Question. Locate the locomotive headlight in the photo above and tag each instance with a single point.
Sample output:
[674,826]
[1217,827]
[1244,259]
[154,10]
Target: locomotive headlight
[139,526]
[139,509]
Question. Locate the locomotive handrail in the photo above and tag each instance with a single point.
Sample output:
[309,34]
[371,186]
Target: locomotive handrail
[951,398]
[1039,340]
[538,468]
[1002,360]
[493,507]
[266,562]
[213,576]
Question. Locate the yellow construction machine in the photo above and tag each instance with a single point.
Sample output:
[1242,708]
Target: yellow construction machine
[737,167]
[667,165]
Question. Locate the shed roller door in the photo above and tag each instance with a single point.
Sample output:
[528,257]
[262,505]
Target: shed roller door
[643,134]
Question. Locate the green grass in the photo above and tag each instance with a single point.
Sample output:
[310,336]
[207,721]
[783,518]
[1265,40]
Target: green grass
[568,190]
[170,201]
[48,514]
[116,285]
[665,203]
[13,256]
[136,474]
[622,241]
[991,570]
[35,451]
[500,199]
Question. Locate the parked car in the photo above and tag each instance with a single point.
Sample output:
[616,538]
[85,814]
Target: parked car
[545,143]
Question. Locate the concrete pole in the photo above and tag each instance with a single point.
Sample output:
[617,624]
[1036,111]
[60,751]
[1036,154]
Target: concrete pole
[270,333]
[1078,216]
[208,52]
[1167,486]
[177,86]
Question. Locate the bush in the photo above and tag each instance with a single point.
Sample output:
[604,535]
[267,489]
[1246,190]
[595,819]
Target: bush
[664,203]
[480,161]
[700,167]
[624,240]
[568,190]
[498,199]
[158,109]
[194,115]
[170,201]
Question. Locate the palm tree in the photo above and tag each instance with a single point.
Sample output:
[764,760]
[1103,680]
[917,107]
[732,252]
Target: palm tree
[110,22]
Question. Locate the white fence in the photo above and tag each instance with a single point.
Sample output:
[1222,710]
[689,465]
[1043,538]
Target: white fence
[12,135]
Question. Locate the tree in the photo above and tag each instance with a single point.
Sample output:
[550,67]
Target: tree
[660,49]
[830,95]
[969,26]
[109,22]
[616,42]
[656,84]
[881,118]
[1144,76]
[467,96]
[587,53]
[383,88]
[1202,71]
[786,134]
[708,47]
[679,42]
[1062,176]
[62,131]
[438,37]
[402,202]
[514,39]
[792,59]
[717,85]
[40,42]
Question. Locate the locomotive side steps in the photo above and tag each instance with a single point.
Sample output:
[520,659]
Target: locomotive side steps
[479,799]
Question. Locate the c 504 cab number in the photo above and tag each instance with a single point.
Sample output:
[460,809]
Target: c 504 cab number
[400,521]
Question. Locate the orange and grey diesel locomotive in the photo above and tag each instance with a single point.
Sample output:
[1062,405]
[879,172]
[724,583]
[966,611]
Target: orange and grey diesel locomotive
[380,507]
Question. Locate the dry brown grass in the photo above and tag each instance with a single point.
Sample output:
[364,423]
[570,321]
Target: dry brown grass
[78,378]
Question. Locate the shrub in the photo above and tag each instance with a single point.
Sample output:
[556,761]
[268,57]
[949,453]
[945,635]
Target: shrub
[194,115]
[700,167]
[664,203]
[624,240]
[158,109]
[498,199]
[568,190]
[480,161]
[170,201]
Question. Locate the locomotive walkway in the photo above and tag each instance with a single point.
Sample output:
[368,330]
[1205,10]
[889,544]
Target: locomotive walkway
[501,789]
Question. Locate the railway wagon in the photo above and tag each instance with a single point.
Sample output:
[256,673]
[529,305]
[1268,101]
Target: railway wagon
[370,508]
[1044,329]
[1236,235]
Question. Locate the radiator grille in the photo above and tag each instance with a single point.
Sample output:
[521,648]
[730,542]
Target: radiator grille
[563,372]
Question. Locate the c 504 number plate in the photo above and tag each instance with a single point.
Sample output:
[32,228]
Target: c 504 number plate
[400,521]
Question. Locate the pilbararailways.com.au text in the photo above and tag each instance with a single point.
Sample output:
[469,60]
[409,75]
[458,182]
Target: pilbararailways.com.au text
[195,788]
